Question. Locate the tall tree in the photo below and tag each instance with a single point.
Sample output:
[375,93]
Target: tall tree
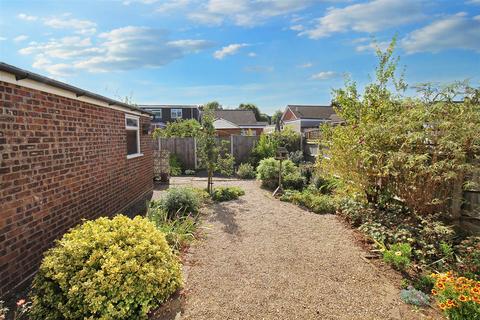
[207,145]
[213,105]
[254,108]
[276,116]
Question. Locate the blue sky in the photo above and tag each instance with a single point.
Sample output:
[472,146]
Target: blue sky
[267,52]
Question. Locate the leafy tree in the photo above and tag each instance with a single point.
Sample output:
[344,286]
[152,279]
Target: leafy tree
[276,116]
[212,155]
[416,150]
[254,108]
[213,105]
[179,128]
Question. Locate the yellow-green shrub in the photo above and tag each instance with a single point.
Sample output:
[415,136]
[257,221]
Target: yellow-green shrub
[116,268]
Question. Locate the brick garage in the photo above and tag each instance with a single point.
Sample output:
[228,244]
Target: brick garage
[63,159]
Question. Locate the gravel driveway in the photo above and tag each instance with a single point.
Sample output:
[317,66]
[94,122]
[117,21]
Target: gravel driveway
[266,259]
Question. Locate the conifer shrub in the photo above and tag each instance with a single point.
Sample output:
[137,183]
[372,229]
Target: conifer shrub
[117,268]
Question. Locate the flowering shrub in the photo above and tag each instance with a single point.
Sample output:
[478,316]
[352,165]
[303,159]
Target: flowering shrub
[398,255]
[116,268]
[457,297]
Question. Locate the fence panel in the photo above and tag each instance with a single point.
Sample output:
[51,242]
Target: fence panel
[242,147]
[183,148]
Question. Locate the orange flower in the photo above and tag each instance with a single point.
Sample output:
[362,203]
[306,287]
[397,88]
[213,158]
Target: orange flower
[463,298]
[440,286]
[434,292]
[450,303]
[475,290]
[442,306]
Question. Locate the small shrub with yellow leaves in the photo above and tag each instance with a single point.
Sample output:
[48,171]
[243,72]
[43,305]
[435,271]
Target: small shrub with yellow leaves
[117,268]
[457,297]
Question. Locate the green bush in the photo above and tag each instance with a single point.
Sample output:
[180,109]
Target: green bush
[116,268]
[268,171]
[266,147]
[398,255]
[317,203]
[190,172]
[296,157]
[294,181]
[179,202]
[179,232]
[175,165]
[225,165]
[220,194]
[246,171]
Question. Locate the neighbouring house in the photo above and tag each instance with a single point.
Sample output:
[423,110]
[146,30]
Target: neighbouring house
[67,154]
[237,122]
[303,117]
[164,113]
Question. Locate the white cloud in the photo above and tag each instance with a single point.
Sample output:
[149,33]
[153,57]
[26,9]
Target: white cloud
[474,2]
[26,17]
[297,27]
[20,38]
[228,50]
[371,16]
[246,13]
[324,75]
[366,44]
[452,32]
[3,38]
[172,5]
[84,27]
[306,65]
[252,54]
[119,49]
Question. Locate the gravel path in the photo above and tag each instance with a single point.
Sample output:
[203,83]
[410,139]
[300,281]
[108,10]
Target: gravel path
[266,259]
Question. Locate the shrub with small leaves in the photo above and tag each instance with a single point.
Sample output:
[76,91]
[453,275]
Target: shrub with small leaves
[268,171]
[415,297]
[318,203]
[220,194]
[398,255]
[246,171]
[190,172]
[116,268]
[179,201]
[175,165]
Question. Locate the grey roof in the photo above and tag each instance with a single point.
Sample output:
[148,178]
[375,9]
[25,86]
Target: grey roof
[21,74]
[174,106]
[312,112]
[239,117]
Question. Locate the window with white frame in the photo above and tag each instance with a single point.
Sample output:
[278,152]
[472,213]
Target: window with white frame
[132,126]
[176,113]
[157,114]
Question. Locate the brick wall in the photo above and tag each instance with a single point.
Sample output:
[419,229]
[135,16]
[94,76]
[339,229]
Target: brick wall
[61,160]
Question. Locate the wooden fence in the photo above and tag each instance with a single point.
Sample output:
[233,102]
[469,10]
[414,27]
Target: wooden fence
[186,148]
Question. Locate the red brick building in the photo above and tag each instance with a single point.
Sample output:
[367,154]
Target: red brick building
[66,154]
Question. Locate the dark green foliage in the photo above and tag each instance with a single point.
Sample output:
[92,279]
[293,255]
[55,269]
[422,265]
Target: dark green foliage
[317,203]
[220,194]
[268,172]
[468,253]
[294,181]
[175,165]
[296,157]
[179,128]
[424,283]
[179,202]
[246,171]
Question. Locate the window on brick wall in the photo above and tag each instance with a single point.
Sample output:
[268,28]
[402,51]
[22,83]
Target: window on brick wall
[132,126]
